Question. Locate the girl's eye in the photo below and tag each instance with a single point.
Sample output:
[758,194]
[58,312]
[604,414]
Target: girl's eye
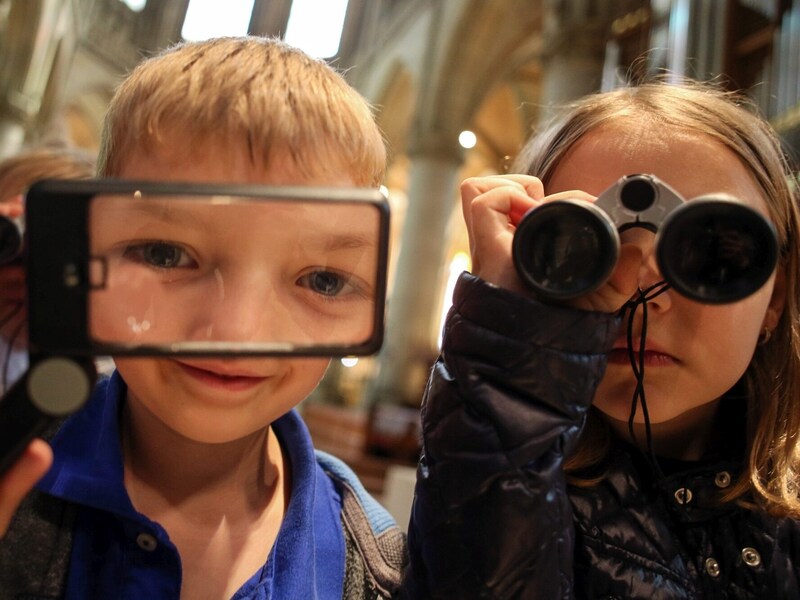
[161,255]
[326,283]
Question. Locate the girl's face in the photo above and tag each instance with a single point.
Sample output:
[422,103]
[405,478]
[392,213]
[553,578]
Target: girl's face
[233,273]
[694,352]
[13,309]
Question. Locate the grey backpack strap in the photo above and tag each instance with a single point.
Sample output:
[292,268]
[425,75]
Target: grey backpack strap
[375,547]
[34,553]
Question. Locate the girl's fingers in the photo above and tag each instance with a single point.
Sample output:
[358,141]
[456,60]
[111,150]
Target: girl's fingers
[492,207]
[12,207]
[528,187]
[21,477]
[571,195]
[478,185]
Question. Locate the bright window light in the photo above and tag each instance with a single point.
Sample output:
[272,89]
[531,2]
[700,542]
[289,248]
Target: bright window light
[460,262]
[211,18]
[315,26]
[135,5]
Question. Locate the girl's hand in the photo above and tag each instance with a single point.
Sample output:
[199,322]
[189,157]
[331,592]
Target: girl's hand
[493,206]
[12,207]
[20,479]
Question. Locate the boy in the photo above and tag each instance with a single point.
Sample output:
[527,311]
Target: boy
[16,174]
[194,479]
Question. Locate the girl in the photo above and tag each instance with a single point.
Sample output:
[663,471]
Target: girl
[533,483]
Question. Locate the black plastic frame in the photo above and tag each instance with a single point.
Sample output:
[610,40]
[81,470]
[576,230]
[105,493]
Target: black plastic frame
[57,258]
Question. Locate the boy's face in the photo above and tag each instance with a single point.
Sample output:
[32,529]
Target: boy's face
[213,269]
[236,295]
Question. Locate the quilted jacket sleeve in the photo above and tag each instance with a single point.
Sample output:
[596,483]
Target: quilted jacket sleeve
[505,401]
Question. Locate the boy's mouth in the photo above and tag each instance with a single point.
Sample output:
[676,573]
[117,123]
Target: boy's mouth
[223,378]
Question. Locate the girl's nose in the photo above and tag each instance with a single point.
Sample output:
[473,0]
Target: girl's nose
[649,276]
[649,273]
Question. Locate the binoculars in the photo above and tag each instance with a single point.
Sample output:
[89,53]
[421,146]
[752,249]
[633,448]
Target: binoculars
[11,236]
[714,249]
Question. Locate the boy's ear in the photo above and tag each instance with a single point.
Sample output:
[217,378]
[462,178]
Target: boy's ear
[777,301]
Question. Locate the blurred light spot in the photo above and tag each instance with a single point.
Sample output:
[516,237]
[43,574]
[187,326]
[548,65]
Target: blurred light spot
[135,5]
[350,361]
[467,139]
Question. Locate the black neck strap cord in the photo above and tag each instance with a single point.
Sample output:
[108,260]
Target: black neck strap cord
[10,342]
[637,360]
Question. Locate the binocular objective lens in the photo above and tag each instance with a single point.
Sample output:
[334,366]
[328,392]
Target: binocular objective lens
[562,250]
[717,251]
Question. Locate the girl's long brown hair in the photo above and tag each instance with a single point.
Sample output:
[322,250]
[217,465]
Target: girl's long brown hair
[772,380]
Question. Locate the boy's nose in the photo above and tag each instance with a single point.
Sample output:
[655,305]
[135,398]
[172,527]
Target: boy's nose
[242,311]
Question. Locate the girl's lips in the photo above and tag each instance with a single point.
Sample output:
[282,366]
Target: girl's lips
[229,382]
[652,358]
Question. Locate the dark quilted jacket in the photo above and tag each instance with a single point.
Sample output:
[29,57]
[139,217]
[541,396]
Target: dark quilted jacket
[494,516]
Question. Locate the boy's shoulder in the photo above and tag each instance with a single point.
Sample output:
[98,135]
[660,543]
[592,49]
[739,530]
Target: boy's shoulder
[375,546]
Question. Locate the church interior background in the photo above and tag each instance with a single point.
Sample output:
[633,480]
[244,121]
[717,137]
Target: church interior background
[457,86]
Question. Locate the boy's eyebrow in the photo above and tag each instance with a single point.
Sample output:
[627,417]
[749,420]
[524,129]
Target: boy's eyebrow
[167,210]
[326,241]
[348,241]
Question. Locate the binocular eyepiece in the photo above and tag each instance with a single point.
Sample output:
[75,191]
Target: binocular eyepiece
[714,249]
[11,239]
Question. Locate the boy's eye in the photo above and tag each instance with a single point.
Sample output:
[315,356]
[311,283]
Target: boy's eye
[161,255]
[326,283]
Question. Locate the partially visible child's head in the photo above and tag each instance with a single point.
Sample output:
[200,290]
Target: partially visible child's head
[18,172]
[643,114]
[658,107]
[259,95]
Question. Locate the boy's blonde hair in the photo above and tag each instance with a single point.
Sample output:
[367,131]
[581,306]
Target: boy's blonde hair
[18,172]
[256,92]
[773,377]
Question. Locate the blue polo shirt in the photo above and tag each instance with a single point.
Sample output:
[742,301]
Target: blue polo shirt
[120,553]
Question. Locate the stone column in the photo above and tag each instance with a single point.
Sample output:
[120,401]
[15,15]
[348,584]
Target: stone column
[570,74]
[37,46]
[567,77]
[574,51]
[412,315]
